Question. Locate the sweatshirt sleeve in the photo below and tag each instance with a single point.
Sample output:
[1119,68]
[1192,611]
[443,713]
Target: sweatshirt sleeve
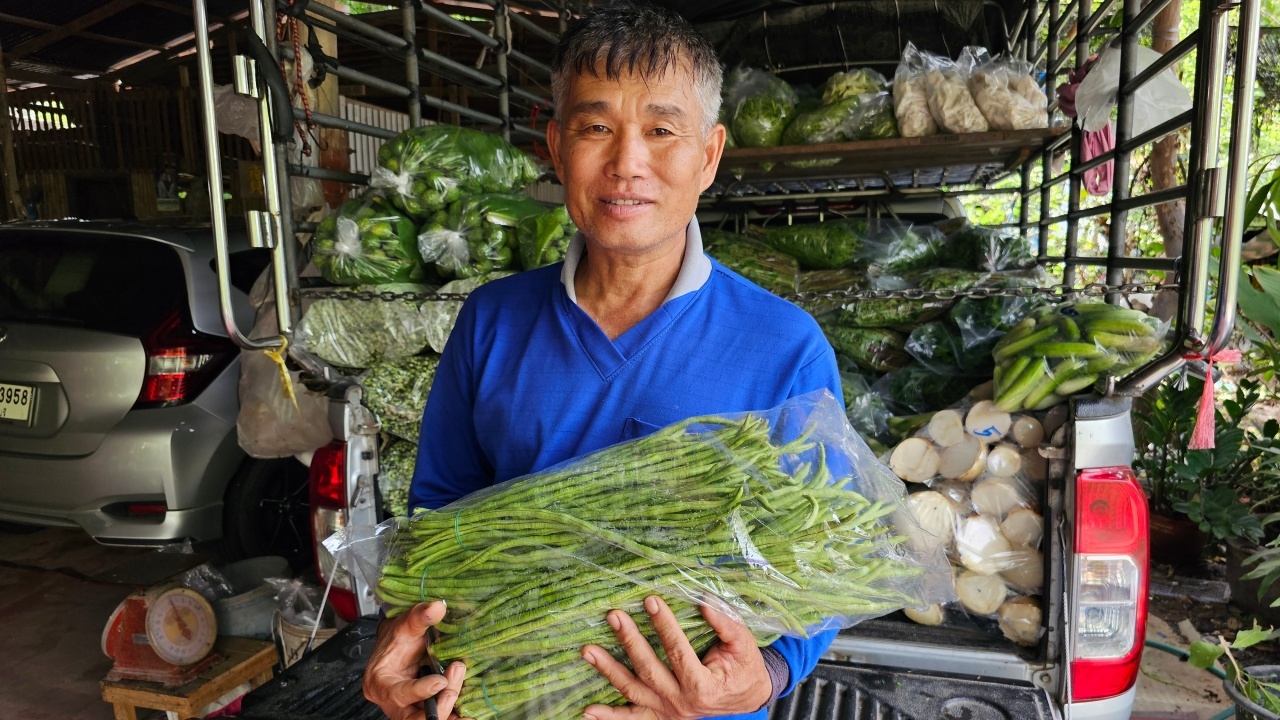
[451,464]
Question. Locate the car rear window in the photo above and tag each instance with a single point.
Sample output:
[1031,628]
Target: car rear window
[113,284]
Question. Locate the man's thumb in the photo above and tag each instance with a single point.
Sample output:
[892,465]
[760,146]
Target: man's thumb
[730,630]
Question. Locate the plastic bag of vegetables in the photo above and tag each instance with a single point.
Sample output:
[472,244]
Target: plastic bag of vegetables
[354,333]
[941,349]
[1064,349]
[544,238]
[865,409]
[975,247]
[429,167]
[771,269]
[991,84]
[439,316]
[396,392]
[396,462]
[950,103]
[983,321]
[894,312]
[762,104]
[896,249]
[818,246]
[478,235]
[910,97]
[913,388]
[679,514]
[367,241]
[874,349]
[852,83]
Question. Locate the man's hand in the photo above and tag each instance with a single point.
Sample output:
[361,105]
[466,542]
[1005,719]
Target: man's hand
[731,679]
[391,678]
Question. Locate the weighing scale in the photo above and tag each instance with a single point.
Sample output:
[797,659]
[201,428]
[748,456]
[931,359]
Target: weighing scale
[164,634]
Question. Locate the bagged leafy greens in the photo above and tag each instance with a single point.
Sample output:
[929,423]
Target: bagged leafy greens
[762,104]
[941,349]
[915,388]
[544,238]
[852,83]
[438,316]
[354,333]
[429,167]
[396,392]
[396,462]
[893,312]
[478,235]
[874,349]
[974,247]
[982,321]
[367,241]
[897,249]
[865,409]
[818,246]
[771,269]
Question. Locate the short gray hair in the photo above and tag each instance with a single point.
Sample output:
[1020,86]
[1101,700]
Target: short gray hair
[637,37]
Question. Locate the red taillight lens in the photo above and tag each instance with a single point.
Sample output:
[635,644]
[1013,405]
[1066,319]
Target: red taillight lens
[328,481]
[1109,613]
[180,362]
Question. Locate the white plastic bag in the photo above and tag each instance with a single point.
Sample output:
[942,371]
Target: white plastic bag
[910,100]
[1162,98]
[950,102]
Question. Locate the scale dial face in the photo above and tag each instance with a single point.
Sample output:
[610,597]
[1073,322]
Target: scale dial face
[180,626]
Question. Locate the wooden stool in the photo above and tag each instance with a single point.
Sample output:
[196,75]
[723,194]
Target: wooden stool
[243,660]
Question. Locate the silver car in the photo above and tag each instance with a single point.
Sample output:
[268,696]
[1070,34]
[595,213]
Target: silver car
[118,392]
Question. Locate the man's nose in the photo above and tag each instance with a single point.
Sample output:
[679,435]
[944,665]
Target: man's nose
[629,156]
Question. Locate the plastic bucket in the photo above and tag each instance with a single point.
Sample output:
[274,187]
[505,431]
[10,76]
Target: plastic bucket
[293,638]
[247,614]
[246,575]
[1246,709]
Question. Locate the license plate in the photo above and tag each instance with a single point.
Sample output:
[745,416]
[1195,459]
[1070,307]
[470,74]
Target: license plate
[16,402]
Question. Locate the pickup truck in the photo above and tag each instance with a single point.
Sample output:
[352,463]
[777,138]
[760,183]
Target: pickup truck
[1095,547]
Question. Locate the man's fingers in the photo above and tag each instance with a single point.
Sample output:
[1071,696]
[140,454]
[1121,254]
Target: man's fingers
[733,634]
[644,661]
[445,701]
[681,657]
[621,712]
[408,693]
[422,616]
[635,691]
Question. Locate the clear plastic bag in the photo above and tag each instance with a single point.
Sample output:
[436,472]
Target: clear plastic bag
[818,246]
[941,349]
[269,423]
[438,316]
[429,167]
[1064,349]
[874,349]
[983,321]
[206,580]
[762,104]
[367,242]
[950,102]
[914,388]
[975,247]
[897,312]
[544,239]
[396,392]
[478,235]
[864,408]
[991,83]
[396,463]
[297,601]
[354,333]
[897,249]
[1159,100]
[771,269]
[910,97]
[852,83]
[781,518]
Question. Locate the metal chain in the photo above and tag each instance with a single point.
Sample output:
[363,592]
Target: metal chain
[1062,292]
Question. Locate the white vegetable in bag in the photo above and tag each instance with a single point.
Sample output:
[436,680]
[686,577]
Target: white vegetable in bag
[914,460]
[991,84]
[981,546]
[1023,527]
[995,496]
[1025,570]
[981,594]
[932,615]
[1020,619]
[932,521]
[910,99]
[950,102]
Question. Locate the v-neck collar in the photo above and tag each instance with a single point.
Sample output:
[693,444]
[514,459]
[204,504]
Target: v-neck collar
[694,269]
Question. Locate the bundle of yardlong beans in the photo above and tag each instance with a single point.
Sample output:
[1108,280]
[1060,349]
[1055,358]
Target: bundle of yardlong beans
[709,509]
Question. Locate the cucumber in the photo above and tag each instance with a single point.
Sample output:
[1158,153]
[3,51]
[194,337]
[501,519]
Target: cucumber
[1087,351]
[1063,371]
[1070,330]
[1027,381]
[1050,400]
[1100,364]
[1034,338]
[1119,326]
[1126,343]
[1075,385]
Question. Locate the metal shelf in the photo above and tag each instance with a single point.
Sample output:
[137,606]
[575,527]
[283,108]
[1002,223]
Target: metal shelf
[933,161]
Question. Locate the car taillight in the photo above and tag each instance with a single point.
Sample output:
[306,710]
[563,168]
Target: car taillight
[180,362]
[1109,613]
[328,484]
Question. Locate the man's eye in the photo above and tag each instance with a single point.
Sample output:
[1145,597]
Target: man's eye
[597,129]
[661,131]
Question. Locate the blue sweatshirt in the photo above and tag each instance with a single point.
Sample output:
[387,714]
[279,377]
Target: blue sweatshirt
[528,380]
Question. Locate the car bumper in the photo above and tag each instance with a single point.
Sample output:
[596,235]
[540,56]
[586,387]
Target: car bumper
[1115,708]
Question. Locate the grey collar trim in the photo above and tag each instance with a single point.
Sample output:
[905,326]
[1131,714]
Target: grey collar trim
[695,270]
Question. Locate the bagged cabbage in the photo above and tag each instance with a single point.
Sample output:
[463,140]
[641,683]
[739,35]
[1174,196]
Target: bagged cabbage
[772,270]
[852,83]
[545,238]
[396,463]
[367,241]
[910,98]
[762,104]
[360,333]
[478,235]
[818,246]
[396,392]
[438,316]
[429,167]
[950,103]
[991,82]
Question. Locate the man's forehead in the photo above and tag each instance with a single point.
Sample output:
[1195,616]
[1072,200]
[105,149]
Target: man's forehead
[676,73]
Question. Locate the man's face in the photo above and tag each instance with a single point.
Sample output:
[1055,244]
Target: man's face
[632,157]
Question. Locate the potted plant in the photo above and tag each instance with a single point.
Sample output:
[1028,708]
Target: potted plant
[1255,690]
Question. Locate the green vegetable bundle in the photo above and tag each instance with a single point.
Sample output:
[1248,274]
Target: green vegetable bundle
[874,349]
[396,462]
[851,84]
[818,246]
[975,247]
[354,333]
[865,408]
[770,269]
[396,392]
[367,241]
[982,321]
[545,238]
[791,535]
[429,167]
[897,250]
[941,349]
[439,316]
[478,234]
[1063,349]
[917,389]
[892,312]
[762,104]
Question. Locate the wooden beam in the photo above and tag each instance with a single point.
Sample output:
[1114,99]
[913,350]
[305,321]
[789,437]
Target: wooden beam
[147,64]
[87,20]
[50,79]
[6,17]
[182,10]
[12,195]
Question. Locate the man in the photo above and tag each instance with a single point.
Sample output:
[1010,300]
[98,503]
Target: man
[636,330]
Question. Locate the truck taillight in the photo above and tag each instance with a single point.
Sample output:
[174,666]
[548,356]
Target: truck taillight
[328,483]
[1109,613]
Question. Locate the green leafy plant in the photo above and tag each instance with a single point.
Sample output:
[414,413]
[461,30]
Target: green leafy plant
[1264,693]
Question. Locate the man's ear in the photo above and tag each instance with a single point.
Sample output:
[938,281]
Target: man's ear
[553,147]
[714,150]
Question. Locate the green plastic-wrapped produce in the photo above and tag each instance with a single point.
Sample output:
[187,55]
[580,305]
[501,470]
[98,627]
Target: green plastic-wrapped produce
[367,241]
[852,83]
[429,167]
[938,347]
[896,249]
[917,389]
[771,269]
[356,333]
[889,312]
[544,238]
[874,349]
[395,474]
[761,103]
[396,392]
[974,247]
[478,236]
[818,246]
